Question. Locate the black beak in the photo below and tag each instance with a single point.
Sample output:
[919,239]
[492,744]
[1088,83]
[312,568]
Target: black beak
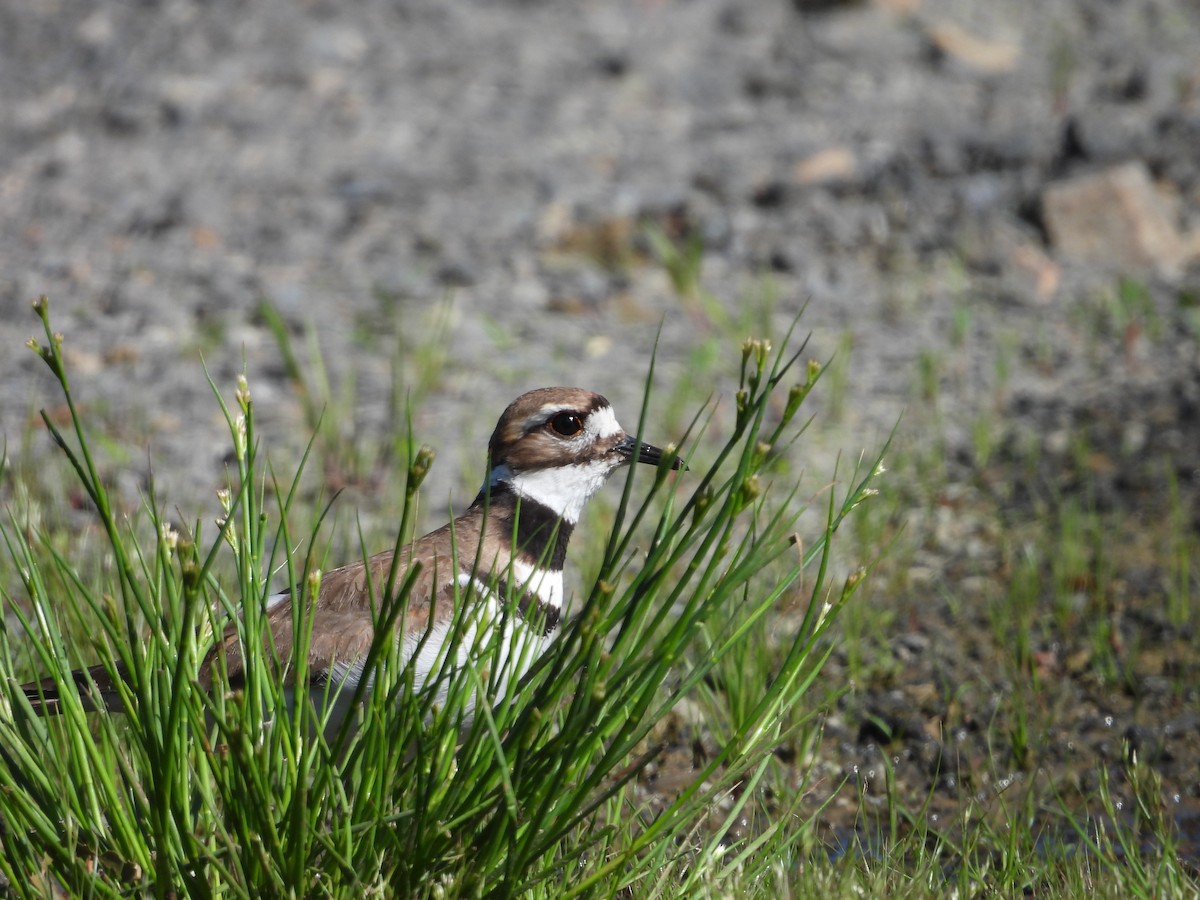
[646,453]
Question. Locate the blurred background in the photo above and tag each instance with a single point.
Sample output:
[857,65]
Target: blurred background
[989,213]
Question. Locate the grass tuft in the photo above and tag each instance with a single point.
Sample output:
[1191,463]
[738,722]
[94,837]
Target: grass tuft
[478,782]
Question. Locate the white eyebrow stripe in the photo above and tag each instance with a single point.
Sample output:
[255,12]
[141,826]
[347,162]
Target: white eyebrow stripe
[603,423]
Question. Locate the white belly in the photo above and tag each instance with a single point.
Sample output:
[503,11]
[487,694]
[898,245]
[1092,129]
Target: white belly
[491,650]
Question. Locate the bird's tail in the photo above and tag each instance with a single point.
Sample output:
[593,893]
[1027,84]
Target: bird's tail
[95,686]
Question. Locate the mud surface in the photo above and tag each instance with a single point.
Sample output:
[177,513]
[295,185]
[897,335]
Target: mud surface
[378,168]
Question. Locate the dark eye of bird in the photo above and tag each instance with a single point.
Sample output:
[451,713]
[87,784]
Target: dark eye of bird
[566,424]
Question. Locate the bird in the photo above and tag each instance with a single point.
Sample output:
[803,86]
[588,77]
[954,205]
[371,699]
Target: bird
[552,450]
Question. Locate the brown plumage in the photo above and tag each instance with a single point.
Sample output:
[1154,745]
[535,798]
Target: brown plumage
[551,450]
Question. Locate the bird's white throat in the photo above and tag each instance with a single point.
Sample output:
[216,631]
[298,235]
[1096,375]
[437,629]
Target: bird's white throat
[564,490]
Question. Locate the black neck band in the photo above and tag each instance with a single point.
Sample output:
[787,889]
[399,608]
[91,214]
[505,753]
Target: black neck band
[541,535]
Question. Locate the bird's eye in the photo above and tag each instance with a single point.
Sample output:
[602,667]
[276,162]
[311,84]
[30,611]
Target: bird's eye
[566,424]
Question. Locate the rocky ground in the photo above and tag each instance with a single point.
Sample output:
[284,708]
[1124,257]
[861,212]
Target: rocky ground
[953,187]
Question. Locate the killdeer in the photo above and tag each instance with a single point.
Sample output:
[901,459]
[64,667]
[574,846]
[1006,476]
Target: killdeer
[552,450]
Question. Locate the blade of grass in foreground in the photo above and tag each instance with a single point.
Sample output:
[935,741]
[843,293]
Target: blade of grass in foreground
[240,791]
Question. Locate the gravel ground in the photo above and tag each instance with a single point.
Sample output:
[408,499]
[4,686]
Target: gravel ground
[164,166]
